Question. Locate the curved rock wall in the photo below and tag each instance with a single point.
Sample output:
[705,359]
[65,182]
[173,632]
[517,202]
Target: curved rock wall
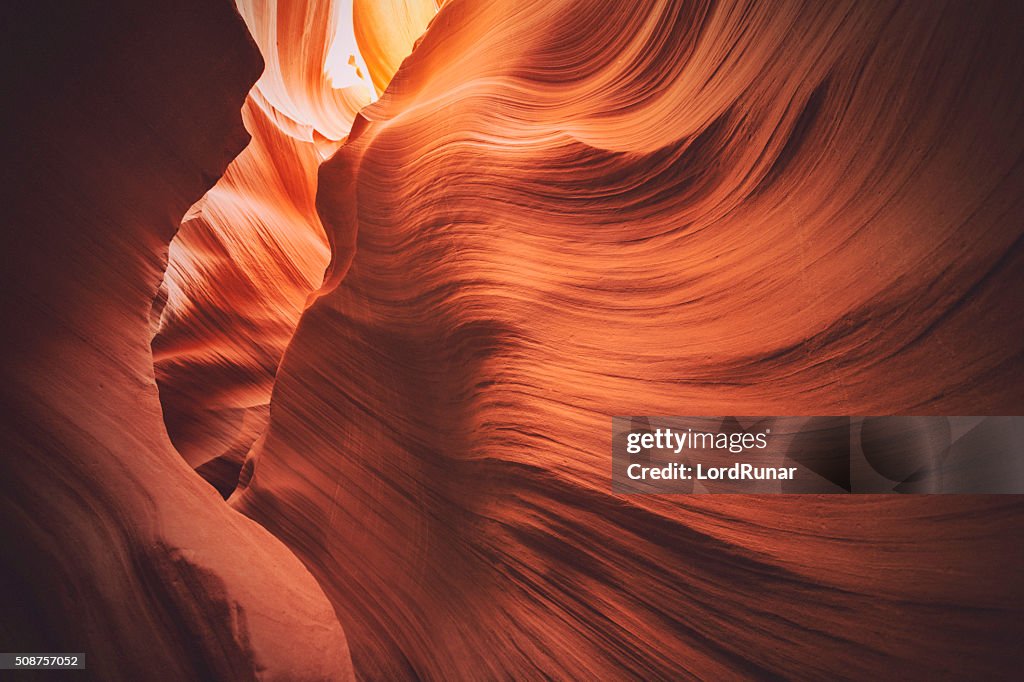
[123,115]
[561,211]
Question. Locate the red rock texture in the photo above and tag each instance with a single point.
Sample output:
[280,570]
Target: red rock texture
[562,211]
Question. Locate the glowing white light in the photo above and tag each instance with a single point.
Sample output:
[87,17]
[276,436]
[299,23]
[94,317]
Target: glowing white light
[344,66]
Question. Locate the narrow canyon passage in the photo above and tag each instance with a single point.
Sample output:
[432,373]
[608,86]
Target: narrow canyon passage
[252,250]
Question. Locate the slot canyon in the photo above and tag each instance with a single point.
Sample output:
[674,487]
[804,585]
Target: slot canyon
[318,313]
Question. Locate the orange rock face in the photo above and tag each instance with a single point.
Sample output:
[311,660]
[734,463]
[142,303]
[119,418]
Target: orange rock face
[563,211]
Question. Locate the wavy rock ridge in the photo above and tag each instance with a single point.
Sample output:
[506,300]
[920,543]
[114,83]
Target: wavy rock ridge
[561,211]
